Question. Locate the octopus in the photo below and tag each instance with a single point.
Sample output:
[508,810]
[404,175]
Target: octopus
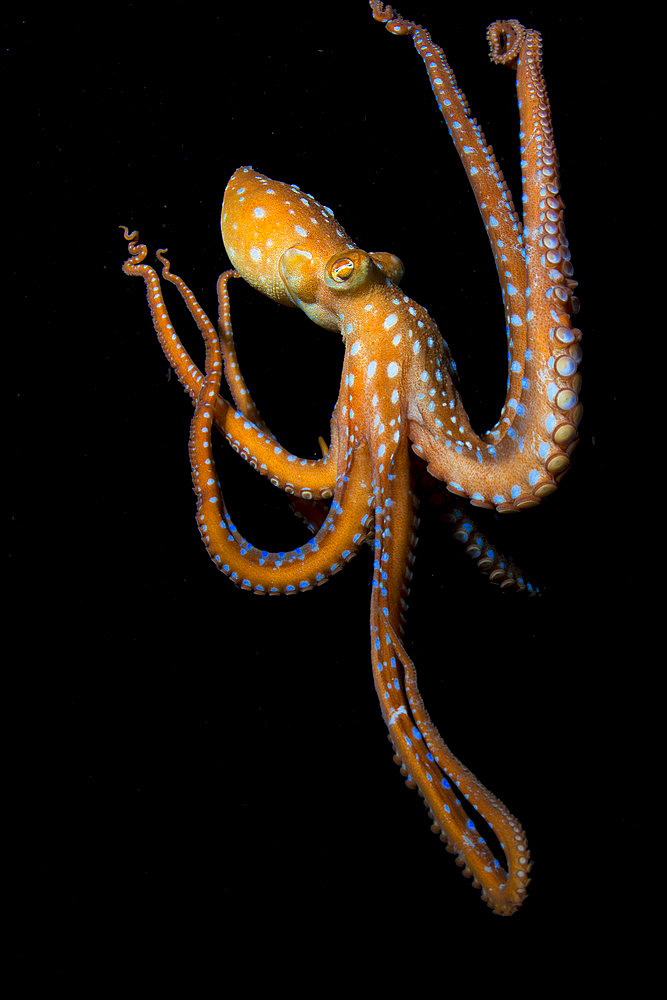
[398,399]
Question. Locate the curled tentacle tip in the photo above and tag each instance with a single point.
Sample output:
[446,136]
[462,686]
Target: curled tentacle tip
[392,20]
[137,252]
[380,12]
[160,254]
[505,40]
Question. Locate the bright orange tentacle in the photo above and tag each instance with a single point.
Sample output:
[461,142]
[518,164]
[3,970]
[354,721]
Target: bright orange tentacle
[344,531]
[308,478]
[426,760]
[520,461]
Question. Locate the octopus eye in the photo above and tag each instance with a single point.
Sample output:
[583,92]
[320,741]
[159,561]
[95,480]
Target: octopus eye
[342,269]
[349,272]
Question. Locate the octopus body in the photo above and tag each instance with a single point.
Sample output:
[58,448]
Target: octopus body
[398,394]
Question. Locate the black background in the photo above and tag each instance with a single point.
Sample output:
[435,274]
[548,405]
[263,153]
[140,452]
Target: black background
[185,756]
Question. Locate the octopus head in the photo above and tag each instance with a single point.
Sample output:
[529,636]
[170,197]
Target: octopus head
[289,247]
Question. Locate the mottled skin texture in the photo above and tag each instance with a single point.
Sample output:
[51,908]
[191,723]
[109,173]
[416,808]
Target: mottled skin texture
[398,391]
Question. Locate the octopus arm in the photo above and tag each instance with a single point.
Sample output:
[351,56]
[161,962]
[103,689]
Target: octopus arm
[307,478]
[426,760]
[343,532]
[428,763]
[494,199]
[522,458]
[488,558]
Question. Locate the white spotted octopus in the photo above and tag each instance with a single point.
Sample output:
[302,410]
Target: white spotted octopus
[398,393]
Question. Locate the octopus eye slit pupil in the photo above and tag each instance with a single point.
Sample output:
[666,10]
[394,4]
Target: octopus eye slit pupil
[342,269]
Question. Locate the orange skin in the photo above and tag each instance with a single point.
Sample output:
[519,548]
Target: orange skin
[398,391]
